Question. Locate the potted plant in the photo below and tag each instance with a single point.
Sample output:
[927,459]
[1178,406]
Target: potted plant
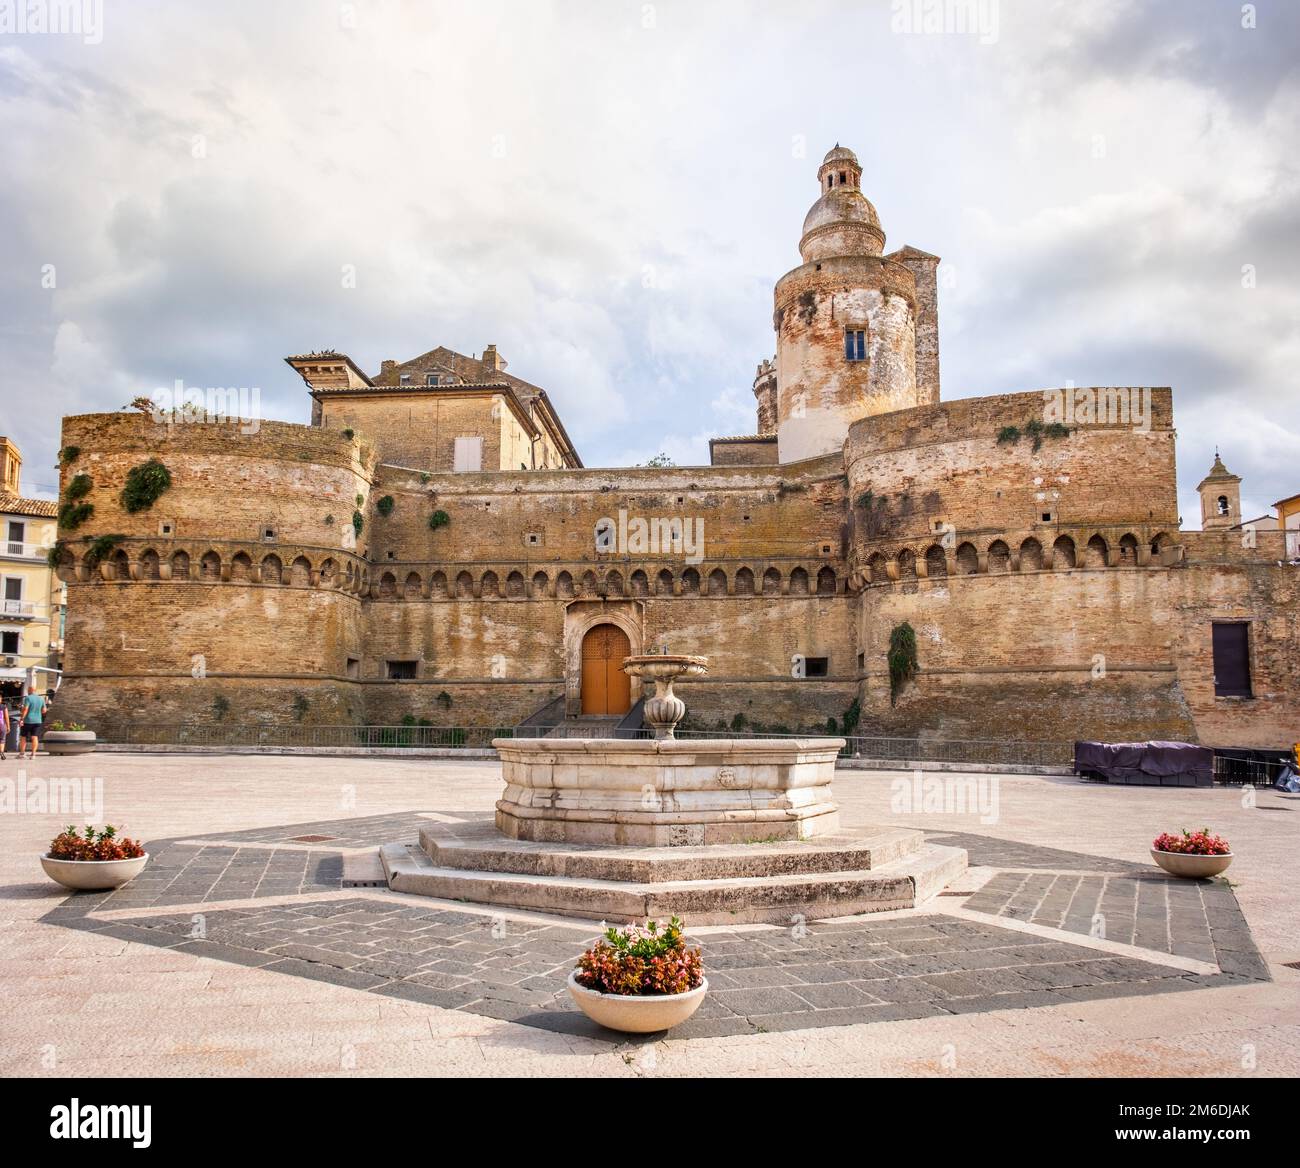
[640,980]
[93,861]
[68,738]
[1194,854]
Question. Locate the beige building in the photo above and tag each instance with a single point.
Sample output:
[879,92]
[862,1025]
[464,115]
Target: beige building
[31,597]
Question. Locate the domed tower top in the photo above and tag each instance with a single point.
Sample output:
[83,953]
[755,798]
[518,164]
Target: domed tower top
[842,221]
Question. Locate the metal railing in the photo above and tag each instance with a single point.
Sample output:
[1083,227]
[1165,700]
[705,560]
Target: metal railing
[321,737]
[990,751]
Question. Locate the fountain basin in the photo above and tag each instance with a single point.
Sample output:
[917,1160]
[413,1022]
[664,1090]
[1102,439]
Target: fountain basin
[667,792]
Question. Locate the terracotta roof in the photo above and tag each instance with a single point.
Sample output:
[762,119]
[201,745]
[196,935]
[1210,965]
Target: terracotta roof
[15,505]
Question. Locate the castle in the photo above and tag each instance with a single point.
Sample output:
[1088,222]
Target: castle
[432,546]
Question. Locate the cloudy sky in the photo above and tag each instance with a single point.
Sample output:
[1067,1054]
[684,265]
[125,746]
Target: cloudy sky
[608,189]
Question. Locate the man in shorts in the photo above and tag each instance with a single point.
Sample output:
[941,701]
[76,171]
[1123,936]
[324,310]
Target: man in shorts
[31,721]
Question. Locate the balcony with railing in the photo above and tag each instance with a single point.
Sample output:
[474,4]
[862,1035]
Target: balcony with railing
[11,549]
[23,610]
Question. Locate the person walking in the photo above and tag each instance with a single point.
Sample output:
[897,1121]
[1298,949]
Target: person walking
[31,723]
[4,728]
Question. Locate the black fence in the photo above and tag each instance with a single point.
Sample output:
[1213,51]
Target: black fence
[324,737]
[989,752]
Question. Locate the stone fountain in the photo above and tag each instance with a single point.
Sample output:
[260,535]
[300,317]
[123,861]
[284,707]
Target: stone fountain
[665,709]
[719,830]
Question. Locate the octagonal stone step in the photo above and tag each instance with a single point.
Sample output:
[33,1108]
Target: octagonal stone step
[479,846]
[776,899]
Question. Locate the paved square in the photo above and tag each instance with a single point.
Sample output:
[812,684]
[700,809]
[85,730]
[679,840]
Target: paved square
[268,958]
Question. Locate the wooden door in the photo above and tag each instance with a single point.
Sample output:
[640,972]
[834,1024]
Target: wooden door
[1231,644]
[606,689]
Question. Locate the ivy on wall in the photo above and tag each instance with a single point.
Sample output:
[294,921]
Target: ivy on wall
[903,665]
[438,519]
[145,485]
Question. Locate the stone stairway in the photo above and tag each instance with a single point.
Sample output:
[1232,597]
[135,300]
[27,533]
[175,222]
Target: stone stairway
[869,870]
[585,726]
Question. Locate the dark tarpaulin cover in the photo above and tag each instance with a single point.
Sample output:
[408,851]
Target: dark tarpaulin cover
[1124,761]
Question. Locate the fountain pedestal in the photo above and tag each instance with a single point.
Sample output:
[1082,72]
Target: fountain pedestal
[718,830]
[666,792]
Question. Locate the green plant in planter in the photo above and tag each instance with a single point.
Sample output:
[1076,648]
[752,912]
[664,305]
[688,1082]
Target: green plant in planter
[358,522]
[902,659]
[438,519]
[385,506]
[73,515]
[145,484]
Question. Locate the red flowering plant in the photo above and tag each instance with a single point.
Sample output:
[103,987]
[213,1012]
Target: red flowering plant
[1192,843]
[637,960]
[94,845]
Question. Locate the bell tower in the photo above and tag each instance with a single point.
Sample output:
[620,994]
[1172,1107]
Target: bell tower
[1220,492]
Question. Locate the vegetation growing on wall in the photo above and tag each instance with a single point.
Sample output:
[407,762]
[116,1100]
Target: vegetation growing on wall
[57,553]
[385,506]
[358,522]
[99,547]
[349,433]
[69,454]
[73,515]
[78,487]
[438,519]
[1035,430]
[903,665]
[145,484]
[220,706]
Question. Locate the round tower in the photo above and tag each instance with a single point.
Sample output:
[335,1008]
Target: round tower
[845,320]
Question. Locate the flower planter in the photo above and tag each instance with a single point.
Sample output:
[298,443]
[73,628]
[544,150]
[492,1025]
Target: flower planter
[93,875]
[69,741]
[1191,867]
[637,1013]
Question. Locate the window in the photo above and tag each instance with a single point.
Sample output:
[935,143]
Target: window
[402,670]
[9,643]
[468,455]
[1231,643]
[403,379]
[1223,504]
[430,379]
[353,667]
[816,666]
[1047,517]
[842,178]
[17,534]
[862,662]
[855,344]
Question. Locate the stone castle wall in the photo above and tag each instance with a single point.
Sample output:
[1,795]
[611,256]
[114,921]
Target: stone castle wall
[219,621]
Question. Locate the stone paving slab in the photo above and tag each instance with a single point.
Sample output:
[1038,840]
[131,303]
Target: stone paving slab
[762,979]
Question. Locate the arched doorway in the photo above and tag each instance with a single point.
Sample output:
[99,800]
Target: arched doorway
[606,689]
